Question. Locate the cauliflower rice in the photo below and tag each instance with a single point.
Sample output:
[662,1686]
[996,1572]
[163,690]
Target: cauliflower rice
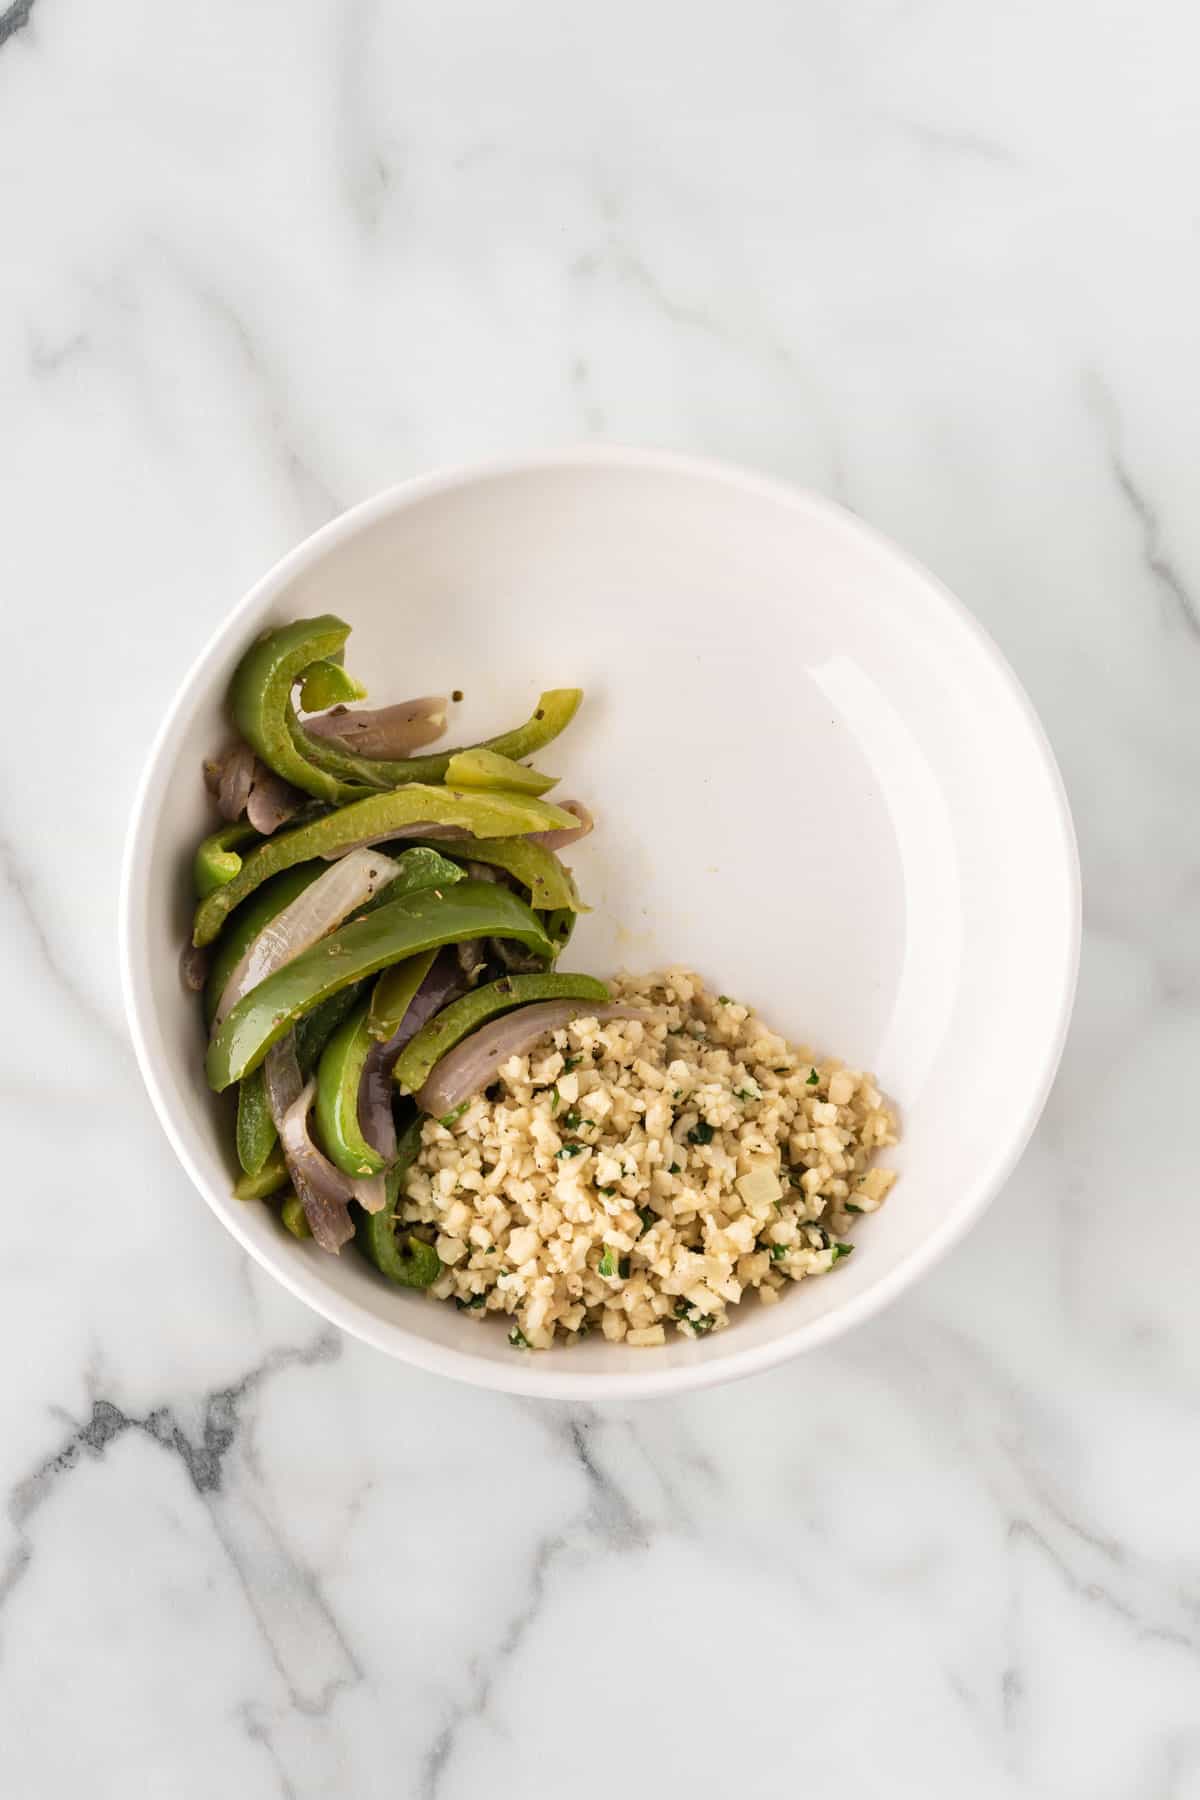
[637,1176]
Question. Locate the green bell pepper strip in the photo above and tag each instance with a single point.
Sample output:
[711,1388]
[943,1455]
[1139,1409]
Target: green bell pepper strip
[488,770]
[260,696]
[261,700]
[294,1218]
[551,885]
[268,1180]
[216,860]
[420,921]
[339,1076]
[256,1136]
[462,1017]
[372,820]
[246,924]
[376,1234]
[394,993]
[327,684]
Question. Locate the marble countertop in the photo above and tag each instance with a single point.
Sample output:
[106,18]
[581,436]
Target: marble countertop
[937,259]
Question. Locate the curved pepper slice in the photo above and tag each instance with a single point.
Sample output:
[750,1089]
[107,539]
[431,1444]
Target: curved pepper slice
[550,883]
[339,1077]
[490,771]
[294,1218]
[260,696]
[420,921]
[394,993]
[370,821]
[270,1178]
[417,1266]
[216,860]
[256,1136]
[261,699]
[327,684]
[464,1016]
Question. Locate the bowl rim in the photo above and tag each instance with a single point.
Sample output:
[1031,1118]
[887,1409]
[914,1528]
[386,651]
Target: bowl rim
[529,1376]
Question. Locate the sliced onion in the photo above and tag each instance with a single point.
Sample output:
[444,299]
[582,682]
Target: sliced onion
[466,1070]
[424,828]
[387,731]
[558,840]
[311,915]
[371,1192]
[193,967]
[237,774]
[272,800]
[323,1190]
[375,1117]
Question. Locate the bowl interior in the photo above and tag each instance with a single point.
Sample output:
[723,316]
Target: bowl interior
[815,782]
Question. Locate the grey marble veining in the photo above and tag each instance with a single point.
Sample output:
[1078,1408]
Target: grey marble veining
[938,260]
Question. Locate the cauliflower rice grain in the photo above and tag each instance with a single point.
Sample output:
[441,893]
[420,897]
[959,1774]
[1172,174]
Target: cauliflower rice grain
[641,1176]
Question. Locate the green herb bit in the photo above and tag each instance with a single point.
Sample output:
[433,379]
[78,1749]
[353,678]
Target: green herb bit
[608,1262]
[451,1117]
[701,1133]
[840,1250]
[851,1207]
[606,1191]
[571,1120]
[623,1268]
[700,1324]
[571,1062]
[682,1309]
[649,1219]
[571,1150]
[746,1094]
[723,1000]
[472,1305]
[675,1169]
[517,1338]
[555,1098]
[778,1252]
[813,1079]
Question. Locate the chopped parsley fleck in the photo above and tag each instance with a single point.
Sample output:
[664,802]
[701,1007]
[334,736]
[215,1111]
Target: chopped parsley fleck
[796,1177]
[840,1250]
[517,1338]
[674,1169]
[572,1062]
[700,1324]
[746,1094]
[555,1098]
[570,1120]
[722,999]
[682,1309]
[623,1268]
[813,1079]
[701,1133]
[608,1262]
[851,1207]
[649,1219]
[678,1094]
[471,1305]
[450,1117]
[491,1250]
[571,1150]
[778,1252]
[606,1191]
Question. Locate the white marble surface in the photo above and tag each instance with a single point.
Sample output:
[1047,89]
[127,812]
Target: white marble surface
[937,257]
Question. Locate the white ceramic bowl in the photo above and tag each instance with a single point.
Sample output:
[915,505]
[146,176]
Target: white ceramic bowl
[816,781]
